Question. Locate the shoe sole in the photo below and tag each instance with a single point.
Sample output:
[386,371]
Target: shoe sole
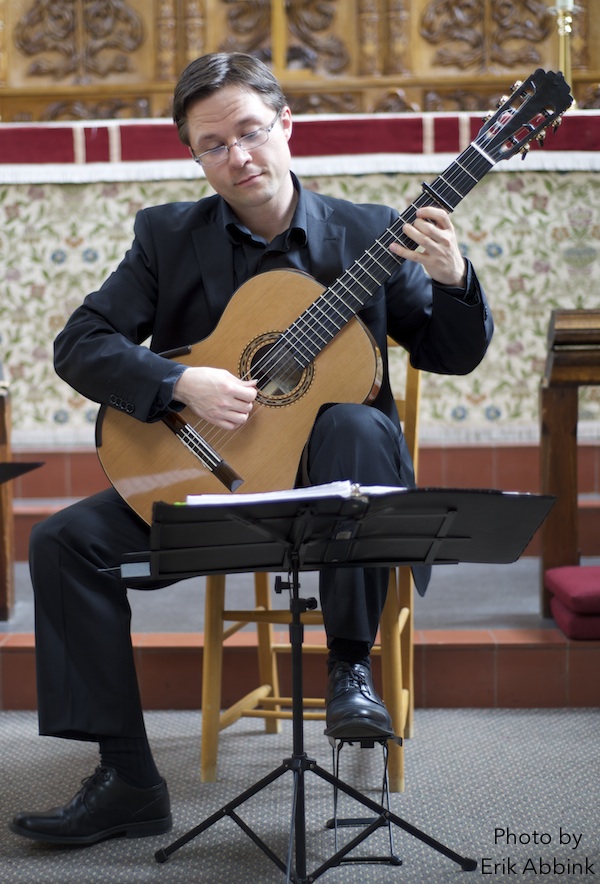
[357,730]
[132,830]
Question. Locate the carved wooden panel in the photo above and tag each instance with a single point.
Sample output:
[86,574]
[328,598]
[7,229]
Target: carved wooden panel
[479,37]
[65,59]
[71,42]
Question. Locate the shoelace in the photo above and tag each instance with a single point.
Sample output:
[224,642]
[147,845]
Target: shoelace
[357,677]
[101,774]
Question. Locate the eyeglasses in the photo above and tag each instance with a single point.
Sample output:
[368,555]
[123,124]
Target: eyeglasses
[248,143]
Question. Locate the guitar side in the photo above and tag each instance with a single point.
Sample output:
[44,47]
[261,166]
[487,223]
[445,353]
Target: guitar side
[146,462]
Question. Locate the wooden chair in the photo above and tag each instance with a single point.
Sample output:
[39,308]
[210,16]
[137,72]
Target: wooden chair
[395,645]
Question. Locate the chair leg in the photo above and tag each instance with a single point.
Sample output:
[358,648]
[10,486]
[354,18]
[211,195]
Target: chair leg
[407,645]
[212,673]
[391,672]
[267,659]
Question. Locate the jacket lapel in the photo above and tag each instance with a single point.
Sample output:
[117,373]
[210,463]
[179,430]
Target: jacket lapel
[215,259]
[326,240]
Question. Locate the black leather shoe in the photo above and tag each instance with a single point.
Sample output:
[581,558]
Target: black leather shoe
[104,807]
[354,710]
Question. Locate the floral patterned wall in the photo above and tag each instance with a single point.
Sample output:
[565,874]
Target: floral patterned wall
[533,236]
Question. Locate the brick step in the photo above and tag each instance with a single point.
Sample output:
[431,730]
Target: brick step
[514,668]
[28,511]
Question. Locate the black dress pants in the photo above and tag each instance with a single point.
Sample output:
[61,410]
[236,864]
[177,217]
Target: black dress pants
[87,684]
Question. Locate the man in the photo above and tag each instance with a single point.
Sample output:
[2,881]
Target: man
[186,261]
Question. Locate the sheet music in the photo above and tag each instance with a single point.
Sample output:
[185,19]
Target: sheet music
[344,489]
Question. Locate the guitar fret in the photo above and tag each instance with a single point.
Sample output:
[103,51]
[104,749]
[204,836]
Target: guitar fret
[332,304]
[320,335]
[312,347]
[466,171]
[358,282]
[321,332]
[458,192]
[338,303]
[335,323]
[386,254]
[364,269]
[398,237]
[313,338]
[349,310]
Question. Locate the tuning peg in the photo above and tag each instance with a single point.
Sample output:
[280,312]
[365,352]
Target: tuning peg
[541,137]
[502,100]
[556,123]
[525,150]
[516,85]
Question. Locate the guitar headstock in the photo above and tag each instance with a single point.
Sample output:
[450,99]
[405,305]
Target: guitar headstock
[536,103]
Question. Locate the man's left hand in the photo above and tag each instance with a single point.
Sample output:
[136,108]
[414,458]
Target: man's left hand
[438,250]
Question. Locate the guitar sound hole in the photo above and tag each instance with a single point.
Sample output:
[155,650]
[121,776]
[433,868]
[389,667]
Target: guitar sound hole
[280,379]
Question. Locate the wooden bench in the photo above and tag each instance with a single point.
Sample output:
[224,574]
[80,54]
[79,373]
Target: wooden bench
[573,361]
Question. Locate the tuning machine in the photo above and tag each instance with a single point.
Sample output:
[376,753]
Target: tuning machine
[501,101]
[525,150]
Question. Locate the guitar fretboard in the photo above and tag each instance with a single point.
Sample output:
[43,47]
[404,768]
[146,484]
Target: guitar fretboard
[320,322]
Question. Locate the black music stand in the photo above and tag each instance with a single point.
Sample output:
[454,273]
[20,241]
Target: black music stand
[340,525]
[8,470]
[12,469]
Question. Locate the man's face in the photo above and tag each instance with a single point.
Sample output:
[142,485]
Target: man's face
[249,181]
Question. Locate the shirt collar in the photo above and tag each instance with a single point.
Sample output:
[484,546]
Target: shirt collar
[297,232]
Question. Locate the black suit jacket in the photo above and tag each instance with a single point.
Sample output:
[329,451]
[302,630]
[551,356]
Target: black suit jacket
[175,281]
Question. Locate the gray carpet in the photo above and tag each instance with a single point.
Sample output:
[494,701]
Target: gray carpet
[483,782]
[465,596]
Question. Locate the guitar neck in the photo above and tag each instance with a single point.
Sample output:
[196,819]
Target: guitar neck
[320,322]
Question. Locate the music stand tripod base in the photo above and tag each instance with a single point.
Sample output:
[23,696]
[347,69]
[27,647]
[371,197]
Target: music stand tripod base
[298,764]
[359,529]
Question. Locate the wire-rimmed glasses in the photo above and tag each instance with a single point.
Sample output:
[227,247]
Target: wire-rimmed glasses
[247,143]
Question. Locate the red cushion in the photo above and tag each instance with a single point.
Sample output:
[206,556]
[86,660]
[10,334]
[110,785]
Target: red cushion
[577,626]
[577,587]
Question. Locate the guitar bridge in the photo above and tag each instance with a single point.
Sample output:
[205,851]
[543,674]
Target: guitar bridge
[198,446]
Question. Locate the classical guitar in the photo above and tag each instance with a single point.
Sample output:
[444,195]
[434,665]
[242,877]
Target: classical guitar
[300,362]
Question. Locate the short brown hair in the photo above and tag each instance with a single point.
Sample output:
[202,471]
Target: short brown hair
[206,75]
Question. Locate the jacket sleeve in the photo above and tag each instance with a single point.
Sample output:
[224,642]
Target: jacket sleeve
[99,354]
[444,332]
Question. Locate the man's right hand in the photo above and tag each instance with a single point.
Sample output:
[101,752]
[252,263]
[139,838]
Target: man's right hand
[216,395]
